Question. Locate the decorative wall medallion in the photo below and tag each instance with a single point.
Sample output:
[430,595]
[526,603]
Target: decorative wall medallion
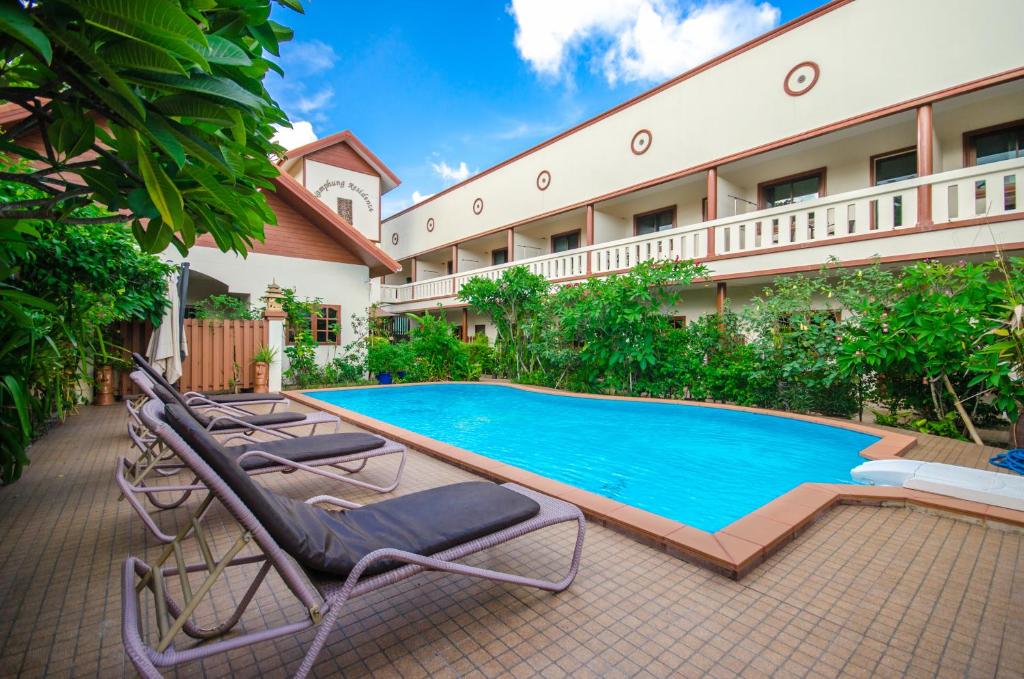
[543,180]
[801,78]
[394,239]
[478,206]
[641,142]
[430,224]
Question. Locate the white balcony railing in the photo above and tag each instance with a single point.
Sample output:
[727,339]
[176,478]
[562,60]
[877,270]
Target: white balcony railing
[986,190]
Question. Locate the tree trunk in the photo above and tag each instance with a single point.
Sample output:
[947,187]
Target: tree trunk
[963,413]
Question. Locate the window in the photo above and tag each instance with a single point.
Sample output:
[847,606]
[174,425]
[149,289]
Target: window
[652,222]
[449,265]
[678,322]
[499,256]
[993,144]
[345,209]
[326,324]
[795,189]
[479,329]
[561,242]
[893,166]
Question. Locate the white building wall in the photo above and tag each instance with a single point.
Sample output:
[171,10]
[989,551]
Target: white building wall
[871,53]
[329,183]
[347,285]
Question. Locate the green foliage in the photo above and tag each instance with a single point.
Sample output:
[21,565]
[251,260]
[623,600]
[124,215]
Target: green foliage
[226,307]
[155,111]
[514,303]
[618,321]
[941,344]
[265,354]
[480,353]
[60,287]
[437,354]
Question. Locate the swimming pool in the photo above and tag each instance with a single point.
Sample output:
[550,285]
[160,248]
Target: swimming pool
[702,466]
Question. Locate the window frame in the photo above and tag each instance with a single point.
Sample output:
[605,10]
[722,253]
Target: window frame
[888,154]
[668,208]
[970,152]
[315,316]
[579,240]
[820,172]
[496,251]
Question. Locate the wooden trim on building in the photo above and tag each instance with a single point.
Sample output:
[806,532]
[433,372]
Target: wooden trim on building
[637,216]
[970,156]
[821,172]
[884,154]
[551,242]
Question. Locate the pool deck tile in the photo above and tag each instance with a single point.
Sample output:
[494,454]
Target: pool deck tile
[762,530]
[895,589]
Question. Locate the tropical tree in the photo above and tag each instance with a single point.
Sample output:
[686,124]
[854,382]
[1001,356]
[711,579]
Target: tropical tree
[155,111]
[513,302]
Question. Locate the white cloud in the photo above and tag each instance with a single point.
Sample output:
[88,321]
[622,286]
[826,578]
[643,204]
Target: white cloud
[315,102]
[452,174]
[300,133]
[307,57]
[390,204]
[634,40]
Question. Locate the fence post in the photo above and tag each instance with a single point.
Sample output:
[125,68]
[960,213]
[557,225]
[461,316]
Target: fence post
[275,317]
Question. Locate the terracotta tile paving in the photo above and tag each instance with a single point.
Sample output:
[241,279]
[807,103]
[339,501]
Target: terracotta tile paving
[862,592]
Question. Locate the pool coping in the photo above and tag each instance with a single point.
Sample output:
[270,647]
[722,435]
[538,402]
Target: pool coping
[734,550]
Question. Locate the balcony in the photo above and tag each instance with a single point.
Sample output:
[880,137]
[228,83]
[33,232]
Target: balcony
[801,234]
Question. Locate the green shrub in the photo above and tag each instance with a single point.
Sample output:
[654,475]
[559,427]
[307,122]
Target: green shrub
[437,354]
[226,307]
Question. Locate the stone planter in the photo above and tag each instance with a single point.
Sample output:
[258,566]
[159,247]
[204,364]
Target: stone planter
[104,385]
[260,377]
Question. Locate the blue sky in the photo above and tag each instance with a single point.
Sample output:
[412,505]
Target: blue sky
[442,90]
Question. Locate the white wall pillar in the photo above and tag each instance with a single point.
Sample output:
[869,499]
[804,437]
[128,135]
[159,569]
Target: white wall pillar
[275,339]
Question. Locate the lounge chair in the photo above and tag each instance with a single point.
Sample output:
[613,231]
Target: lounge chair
[324,557]
[223,418]
[194,397]
[284,452]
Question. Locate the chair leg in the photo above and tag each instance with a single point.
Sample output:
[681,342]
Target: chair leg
[325,628]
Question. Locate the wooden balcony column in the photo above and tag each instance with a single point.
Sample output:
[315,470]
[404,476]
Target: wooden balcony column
[925,155]
[589,233]
[720,296]
[511,244]
[712,193]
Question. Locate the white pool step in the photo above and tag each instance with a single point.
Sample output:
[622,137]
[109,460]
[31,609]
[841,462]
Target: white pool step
[965,483]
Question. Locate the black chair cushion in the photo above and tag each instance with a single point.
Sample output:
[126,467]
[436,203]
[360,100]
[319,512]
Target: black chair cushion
[171,396]
[160,380]
[306,448]
[425,523]
[245,397]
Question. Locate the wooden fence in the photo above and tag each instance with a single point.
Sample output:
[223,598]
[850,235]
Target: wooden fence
[219,353]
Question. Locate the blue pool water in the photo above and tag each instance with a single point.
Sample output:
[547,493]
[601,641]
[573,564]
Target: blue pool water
[705,467]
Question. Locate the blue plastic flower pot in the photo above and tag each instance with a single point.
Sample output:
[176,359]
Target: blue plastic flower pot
[384,378]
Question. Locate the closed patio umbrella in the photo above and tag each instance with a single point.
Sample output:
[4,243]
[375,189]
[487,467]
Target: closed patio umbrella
[167,345]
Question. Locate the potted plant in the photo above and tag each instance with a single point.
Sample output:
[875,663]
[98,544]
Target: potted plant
[380,359]
[261,361]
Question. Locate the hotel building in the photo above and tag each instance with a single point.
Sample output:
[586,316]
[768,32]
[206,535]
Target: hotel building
[865,129]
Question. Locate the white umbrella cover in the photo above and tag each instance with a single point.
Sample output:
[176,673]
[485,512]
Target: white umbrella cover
[166,346]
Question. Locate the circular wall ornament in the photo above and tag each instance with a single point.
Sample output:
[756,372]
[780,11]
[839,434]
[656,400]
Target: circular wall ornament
[801,78]
[430,224]
[394,239]
[543,180]
[478,206]
[641,142]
